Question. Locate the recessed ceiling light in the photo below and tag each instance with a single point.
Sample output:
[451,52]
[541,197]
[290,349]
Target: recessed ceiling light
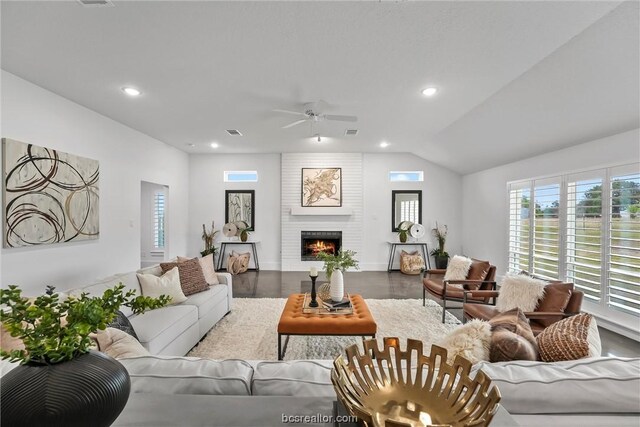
[430,91]
[131,91]
[384,144]
[214,145]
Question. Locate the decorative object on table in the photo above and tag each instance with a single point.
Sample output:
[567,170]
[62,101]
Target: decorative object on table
[240,206]
[321,187]
[323,308]
[440,256]
[334,266]
[324,291]
[378,394]
[83,387]
[417,231]
[49,196]
[403,230]
[243,230]
[208,237]
[332,304]
[313,274]
[406,205]
[238,262]
[239,229]
[411,262]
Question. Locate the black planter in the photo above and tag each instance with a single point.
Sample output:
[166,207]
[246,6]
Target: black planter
[90,390]
[442,261]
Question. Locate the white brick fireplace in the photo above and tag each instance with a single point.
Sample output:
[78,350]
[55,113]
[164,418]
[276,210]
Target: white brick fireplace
[295,219]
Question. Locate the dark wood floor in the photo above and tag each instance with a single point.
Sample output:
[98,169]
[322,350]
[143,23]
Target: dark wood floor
[380,285]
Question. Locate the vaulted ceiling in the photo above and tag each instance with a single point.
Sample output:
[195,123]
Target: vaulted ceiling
[515,79]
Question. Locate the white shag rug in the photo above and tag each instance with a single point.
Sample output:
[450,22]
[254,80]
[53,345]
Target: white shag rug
[250,331]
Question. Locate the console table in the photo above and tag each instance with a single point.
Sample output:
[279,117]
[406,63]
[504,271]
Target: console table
[252,243]
[392,253]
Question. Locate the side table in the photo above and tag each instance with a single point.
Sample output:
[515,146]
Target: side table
[392,253]
[223,248]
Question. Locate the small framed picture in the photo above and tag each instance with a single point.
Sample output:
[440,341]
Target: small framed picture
[321,187]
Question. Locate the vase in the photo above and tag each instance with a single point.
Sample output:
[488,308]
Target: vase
[91,389]
[336,291]
[244,236]
[403,237]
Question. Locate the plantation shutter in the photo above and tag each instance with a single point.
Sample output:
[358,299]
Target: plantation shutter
[585,233]
[546,230]
[158,220]
[519,226]
[623,282]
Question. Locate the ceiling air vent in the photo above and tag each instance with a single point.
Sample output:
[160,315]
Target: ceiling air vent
[351,132]
[96,3]
[234,132]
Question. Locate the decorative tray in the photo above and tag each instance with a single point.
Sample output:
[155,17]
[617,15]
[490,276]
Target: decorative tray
[321,309]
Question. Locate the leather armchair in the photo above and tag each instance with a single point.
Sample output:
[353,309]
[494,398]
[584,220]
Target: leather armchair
[453,290]
[472,308]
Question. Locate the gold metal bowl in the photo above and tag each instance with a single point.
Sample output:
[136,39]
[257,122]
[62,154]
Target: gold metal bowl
[391,387]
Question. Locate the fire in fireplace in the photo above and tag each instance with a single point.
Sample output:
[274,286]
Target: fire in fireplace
[314,242]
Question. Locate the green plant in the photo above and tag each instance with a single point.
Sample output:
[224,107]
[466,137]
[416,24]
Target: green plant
[403,230]
[208,237]
[633,211]
[55,331]
[440,234]
[342,261]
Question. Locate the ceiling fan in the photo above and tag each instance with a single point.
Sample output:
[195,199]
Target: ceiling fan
[313,113]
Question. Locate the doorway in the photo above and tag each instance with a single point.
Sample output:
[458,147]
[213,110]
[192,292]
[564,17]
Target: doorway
[154,214]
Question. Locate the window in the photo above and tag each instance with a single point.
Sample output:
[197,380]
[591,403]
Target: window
[240,176]
[519,228]
[623,282]
[583,228]
[158,220]
[546,229]
[411,176]
[409,210]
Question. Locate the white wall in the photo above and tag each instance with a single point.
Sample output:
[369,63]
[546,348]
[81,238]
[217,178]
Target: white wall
[441,201]
[485,217]
[207,203]
[127,157]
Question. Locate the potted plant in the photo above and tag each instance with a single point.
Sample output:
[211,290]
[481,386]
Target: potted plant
[208,237]
[244,232]
[335,266]
[60,380]
[403,230]
[440,256]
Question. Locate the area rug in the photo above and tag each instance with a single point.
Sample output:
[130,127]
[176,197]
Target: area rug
[250,331]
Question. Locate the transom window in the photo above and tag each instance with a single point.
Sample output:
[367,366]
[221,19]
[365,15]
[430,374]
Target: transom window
[240,176]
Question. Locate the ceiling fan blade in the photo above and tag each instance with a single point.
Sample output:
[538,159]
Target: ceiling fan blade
[341,118]
[297,113]
[290,125]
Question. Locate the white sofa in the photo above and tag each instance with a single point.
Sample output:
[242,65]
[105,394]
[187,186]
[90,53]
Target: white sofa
[175,329]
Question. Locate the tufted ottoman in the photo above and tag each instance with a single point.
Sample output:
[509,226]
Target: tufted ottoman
[294,322]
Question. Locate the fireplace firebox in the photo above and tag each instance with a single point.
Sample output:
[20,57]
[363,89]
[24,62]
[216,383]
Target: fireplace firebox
[314,242]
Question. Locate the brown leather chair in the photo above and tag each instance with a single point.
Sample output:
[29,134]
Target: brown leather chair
[473,309]
[481,276]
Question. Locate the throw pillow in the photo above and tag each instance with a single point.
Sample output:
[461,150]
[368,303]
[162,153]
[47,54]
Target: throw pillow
[478,270]
[9,343]
[470,341]
[238,262]
[208,268]
[507,347]
[572,338]
[458,269]
[119,344]
[122,322]
[556,297]
[167,284]
[518,291]
[411,263]
[192,278]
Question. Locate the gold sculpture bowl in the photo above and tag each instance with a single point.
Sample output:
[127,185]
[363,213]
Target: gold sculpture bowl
[391,387]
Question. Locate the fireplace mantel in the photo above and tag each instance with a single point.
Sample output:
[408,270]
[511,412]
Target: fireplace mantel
[322,211]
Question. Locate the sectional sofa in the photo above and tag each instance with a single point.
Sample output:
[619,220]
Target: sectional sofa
[175,329]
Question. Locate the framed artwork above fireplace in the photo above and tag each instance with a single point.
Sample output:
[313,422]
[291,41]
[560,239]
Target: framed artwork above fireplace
[321,187]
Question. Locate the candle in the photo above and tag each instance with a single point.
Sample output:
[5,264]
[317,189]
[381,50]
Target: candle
[313,272]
